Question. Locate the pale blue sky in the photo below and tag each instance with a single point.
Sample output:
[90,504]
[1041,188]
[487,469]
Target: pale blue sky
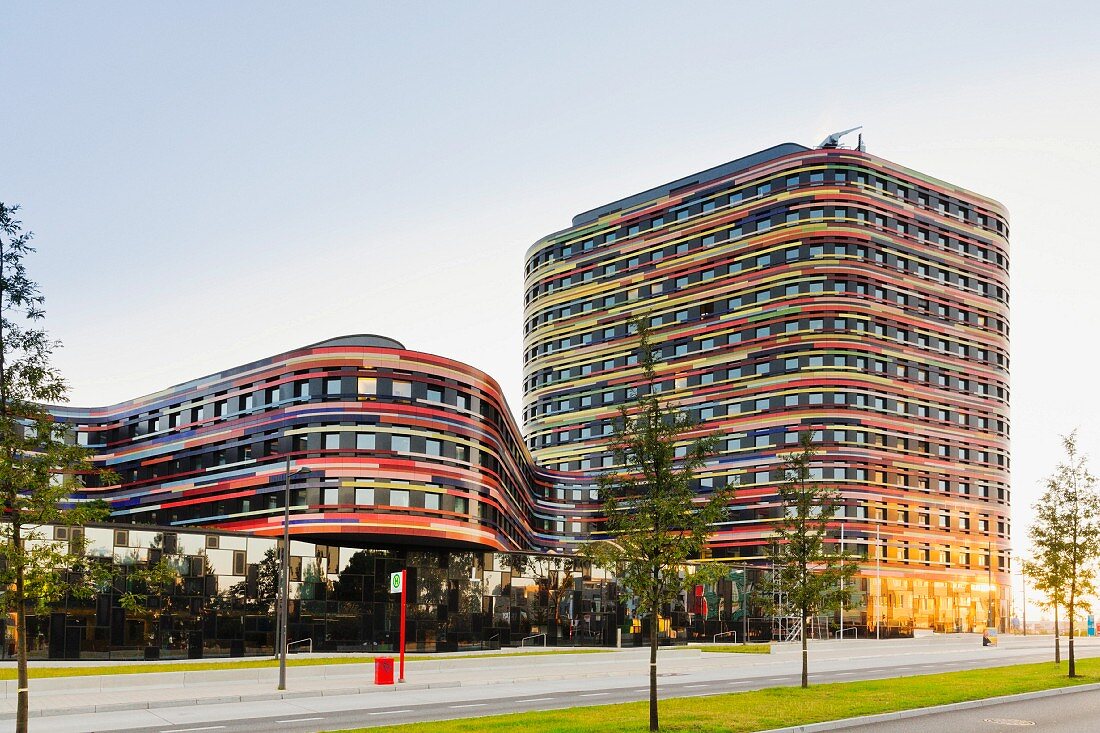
[215,182]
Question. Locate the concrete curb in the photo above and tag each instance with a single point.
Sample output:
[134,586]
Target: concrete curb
[259,697]
[919,712]
[287,695]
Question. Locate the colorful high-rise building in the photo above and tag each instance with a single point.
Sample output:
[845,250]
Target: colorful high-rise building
[797,289]
[792,290]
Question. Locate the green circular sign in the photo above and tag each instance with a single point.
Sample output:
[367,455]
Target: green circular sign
[395,581]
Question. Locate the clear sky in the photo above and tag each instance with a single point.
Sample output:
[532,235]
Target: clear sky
[212,182]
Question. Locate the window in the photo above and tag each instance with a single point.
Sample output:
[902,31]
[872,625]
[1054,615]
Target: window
[332,386]
[364,497]
[399,497]
[433,447]
[401,443]
[364,441]
[330,496]
[239,565]
[332,441]
[434,394]
[368,386]
[431,501]
[401,389]
[122,538]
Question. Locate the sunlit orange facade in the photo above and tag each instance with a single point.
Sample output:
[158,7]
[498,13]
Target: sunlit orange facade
[802,289]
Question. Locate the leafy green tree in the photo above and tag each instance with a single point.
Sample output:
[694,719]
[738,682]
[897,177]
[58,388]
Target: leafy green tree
[657,525]
[148,593]
[808,571]
[39,462]
[1049,576]
[554,576]
[263,596]
[1065,539]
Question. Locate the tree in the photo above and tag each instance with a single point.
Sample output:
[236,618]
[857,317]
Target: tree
[148,593]
[262,594]
[1065,538]
[656,523]
[1048,575]
[809,573]
[554,576]
[39,462]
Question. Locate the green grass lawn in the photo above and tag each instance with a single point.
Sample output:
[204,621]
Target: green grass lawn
[36,671]
[779,707]
[738,648]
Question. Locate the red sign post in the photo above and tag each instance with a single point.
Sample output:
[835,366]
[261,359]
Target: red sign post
[401,674]
[397,585]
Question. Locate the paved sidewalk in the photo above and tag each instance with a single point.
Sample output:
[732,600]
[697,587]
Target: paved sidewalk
[99,693]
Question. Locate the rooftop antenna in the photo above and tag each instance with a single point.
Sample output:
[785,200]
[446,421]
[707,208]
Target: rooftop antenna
[859,146]
[833,141]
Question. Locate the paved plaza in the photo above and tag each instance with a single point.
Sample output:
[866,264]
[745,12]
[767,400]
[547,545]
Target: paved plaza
[341,695]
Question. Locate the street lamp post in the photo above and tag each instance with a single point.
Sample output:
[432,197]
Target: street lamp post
[842,584]
[1023,584]
[989,584]
[878,584]
[284,580]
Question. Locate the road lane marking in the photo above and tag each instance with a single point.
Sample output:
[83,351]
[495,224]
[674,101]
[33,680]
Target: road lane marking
[594,694]
[536,699]
[470,705]
[185,730]
[688,686]
[390,712]
[298,720]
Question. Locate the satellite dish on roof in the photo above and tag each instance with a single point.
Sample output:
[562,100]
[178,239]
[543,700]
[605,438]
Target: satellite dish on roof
[833,141]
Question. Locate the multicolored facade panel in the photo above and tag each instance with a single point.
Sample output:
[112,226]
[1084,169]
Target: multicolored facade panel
[790,290]
[797,289]
[397,447]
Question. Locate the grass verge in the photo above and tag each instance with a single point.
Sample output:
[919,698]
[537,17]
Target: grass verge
[37,672]
[779,707]
[738,648]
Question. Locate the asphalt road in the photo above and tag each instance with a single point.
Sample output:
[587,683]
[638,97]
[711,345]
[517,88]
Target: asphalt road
[308,715]
[1078,712]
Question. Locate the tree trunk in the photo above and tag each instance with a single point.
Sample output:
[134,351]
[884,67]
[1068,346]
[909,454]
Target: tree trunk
[1057,638]
[22,710]
[653,624]
[805,653]
[1072,662]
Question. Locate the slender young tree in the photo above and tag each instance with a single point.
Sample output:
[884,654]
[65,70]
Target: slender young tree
[39,463]
[809,573]
[656,523]
[1048,575]
[1065,538]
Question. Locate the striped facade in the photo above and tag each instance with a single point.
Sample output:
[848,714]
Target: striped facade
[793,289]
[400,448]
[801,289]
